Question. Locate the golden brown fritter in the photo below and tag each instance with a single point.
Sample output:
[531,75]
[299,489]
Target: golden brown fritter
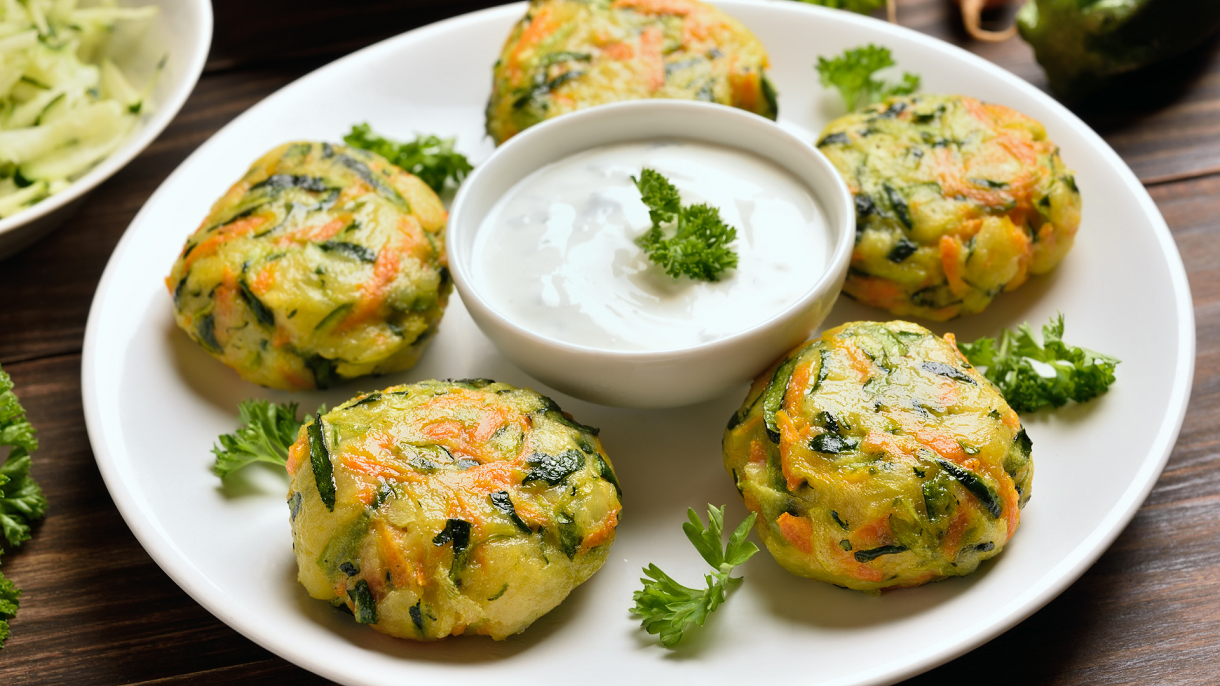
[566,55]
[444,507]
[876,456]
[323,263]
[957,201]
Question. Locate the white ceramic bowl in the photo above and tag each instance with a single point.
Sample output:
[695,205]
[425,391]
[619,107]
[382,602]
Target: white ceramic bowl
[182,31]
[666,378]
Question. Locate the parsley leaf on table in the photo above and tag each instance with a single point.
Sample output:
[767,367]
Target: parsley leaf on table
[699,245]
[430,158]
[852,74]
[668,607]
[268,429]
[9,603]
[1031,376]
[21,500]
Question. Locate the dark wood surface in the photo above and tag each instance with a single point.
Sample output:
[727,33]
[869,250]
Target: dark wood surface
[96,609]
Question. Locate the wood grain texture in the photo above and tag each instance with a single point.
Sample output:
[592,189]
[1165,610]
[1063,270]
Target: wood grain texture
[97,609]
[312,28]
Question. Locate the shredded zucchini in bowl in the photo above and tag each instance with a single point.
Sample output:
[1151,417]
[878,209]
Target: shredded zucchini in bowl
[64,104]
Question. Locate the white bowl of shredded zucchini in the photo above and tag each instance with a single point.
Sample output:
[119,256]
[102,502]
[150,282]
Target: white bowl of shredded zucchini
[85,85]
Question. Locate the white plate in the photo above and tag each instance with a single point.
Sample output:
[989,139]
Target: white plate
[154,403]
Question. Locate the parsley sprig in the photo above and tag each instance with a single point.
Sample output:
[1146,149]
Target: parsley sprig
[668,607]
[852,74]
[861,6]
[21,500]
[698,247]
[1033,375]
[268,429]
[431,158]
[9,602]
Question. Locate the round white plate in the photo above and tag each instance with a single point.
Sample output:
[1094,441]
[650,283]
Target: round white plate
[155,402]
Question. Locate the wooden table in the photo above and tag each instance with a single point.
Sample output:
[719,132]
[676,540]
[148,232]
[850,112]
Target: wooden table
[97,609]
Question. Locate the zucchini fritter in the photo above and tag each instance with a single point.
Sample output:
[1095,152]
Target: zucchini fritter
[876,456]
[957,201]
[442,507]
[323,263]
[566,55]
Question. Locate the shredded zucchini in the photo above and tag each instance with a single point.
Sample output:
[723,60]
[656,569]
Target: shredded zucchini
[64,104]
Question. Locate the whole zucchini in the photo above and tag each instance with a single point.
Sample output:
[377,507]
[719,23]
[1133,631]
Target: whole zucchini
[1084,44]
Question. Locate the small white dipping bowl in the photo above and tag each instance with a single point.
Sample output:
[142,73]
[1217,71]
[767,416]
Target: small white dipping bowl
[666,378]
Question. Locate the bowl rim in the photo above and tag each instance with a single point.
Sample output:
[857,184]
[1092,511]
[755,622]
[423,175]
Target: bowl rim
[192,64]
[836,263]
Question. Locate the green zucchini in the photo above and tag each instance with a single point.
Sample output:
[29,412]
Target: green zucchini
[334,316]
[773,396]
[343,549]
[874,553]
[606,473]
[900,206]
[833,444]
[367,175]
[948,371]
[569,535]
[366,606]
[281,182]
[370,398]
[352,250]
[552,410]
[417,616]
[938,497]
[902,250]
[504,503]
[976,484]
[260,311]
[1018,453]
[553,468]
[324,373]
[319,459]
[457,532]
[207,333]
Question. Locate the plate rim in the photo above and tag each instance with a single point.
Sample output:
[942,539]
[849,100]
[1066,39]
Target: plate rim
[178,566]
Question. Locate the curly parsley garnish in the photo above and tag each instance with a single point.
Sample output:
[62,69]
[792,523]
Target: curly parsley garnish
[268,430]
[21,499]
[430,158]
[861,6]
[667,606]
[1032,376]
[698,247]
[852,74]
[9,595]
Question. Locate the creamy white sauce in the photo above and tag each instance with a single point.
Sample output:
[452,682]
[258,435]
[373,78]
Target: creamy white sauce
[557,254]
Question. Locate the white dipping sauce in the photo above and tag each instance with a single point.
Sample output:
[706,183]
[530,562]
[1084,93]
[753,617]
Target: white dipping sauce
[557,254]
